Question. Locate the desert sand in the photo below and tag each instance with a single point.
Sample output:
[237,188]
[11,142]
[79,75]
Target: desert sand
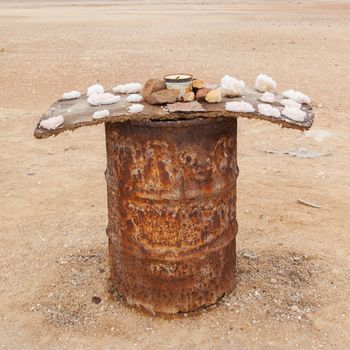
[293,260]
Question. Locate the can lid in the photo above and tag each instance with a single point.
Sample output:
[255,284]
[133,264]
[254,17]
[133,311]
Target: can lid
[178,78]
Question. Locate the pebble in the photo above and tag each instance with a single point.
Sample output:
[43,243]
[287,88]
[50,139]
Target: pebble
[153,85]
[201,93]
[162,97]
[198,83]
[295,308]
[96,300]
[189,97]
[214,96]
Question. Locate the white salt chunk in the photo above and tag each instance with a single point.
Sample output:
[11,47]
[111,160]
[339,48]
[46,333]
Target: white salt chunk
[119,89]
[296,96]
[72,95]
[290,103]
[231,86]
[95,89]
[130,88]
[136,108]
[268,97]
[134,98]
[265,83]
[52,123]
[240,106]
[294,113]
[102,99]
[268,110]
[101,114]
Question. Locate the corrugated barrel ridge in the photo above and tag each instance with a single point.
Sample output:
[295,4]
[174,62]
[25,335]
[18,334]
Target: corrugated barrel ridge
[172,211]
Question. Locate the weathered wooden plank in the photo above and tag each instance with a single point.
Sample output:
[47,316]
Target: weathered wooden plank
[78,113]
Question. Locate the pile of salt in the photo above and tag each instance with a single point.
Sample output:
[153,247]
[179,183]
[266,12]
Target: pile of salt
[130,88]
[265,83]
[294,113]
[52,123]
[136,108]
[103,99]
[297,96]
[268,97]
[134,98]
[72,95]
[95,89]
[239,106]
[268,110]
[101,114]
[231,86]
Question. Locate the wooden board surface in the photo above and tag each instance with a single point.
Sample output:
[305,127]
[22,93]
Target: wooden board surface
[78,113]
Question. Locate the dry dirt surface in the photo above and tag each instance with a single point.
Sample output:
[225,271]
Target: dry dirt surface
[293,260]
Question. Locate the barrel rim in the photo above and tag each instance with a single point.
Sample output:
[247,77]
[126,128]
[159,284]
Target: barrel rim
[179,123]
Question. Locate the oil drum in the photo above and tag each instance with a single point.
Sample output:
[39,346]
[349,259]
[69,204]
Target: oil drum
[172,212]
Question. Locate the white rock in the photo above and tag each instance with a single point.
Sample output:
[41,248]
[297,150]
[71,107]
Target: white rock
[239,106]
[296,96]
[103,99]
[130,88]
[52,123]
[290,103]
[136,108]
[134,98]
[265,83]
[95,89]
[72,95]
[294,113]
[268,110]
[268,97]
[231,86]
[101,114]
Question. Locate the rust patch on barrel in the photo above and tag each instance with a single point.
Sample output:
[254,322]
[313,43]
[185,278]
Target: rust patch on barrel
[172,211]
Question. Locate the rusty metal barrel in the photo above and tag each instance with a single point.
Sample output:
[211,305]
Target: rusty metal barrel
[172,212]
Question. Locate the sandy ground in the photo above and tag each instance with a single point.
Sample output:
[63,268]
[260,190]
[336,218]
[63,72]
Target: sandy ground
[294,263]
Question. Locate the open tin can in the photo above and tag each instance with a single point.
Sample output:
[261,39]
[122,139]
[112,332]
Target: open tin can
[180,82]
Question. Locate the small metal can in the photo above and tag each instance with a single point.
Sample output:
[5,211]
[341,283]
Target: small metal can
[181,82]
